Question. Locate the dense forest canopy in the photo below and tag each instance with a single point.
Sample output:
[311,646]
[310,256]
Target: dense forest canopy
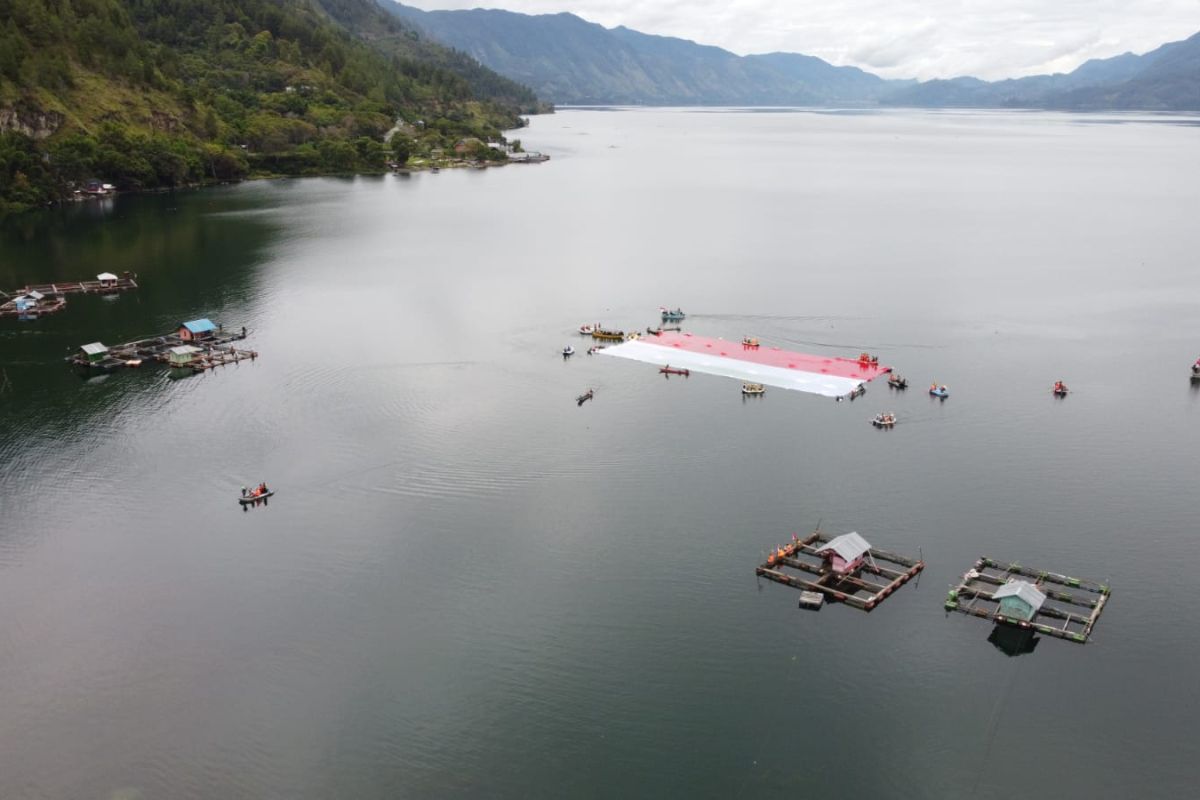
[163,93]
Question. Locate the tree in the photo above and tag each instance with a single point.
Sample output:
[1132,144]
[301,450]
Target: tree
[401,148]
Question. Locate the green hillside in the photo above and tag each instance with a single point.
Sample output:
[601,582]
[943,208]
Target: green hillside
[164,93]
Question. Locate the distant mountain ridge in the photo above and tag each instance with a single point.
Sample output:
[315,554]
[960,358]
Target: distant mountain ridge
[566,59]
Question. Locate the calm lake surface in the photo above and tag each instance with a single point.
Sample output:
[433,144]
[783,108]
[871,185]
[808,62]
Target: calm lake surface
[469,587]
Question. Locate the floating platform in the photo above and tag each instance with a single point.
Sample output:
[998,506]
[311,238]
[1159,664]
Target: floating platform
[879,575]
[1070,609]
[187,356]
[41,308]
[50,296]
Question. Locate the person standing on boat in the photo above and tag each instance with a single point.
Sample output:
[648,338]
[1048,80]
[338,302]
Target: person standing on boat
[243,491]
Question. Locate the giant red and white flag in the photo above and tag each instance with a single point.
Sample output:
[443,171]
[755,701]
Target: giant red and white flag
[825,375]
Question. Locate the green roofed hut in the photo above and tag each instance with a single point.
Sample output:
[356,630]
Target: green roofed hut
[197,330]
[1019,600]
[93,353]
[182,356]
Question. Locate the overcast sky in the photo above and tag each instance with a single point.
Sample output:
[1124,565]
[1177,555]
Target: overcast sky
[898,38]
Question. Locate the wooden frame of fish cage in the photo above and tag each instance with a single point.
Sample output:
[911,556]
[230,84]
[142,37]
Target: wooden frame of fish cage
[852,589]
[973,596]
[213,351]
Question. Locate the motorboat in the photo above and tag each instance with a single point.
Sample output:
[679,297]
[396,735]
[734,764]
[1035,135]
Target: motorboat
[568,351]
[940,392]
[896,382]
[884,420]
[669,370]
[753,389]
[750,341]
[668,314]
[586,330]
[1060,389]
[583,398]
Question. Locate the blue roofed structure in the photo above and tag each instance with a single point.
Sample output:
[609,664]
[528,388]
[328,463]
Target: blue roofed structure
[196,329]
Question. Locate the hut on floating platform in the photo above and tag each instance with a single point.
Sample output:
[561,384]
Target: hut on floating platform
[197,330]
[182,356]
[93,353]
[1019,600]
[107,280]
[844,554]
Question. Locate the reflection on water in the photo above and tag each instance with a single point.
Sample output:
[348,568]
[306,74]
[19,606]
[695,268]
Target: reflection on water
[472,585]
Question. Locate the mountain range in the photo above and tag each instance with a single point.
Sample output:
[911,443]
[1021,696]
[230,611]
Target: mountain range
[568,60]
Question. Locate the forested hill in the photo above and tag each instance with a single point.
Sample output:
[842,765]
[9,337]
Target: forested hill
[161,93]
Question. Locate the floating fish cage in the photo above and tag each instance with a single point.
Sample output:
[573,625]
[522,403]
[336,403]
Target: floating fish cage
[1030,599]
[863,580]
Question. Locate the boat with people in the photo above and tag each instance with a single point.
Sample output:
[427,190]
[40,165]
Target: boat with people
[940,392]
[857,391]
[586,330]
[583,398]
[258,494]
[669,314]
[660,330]
[750,342]
[753,389]
[568,351]
[867,358]
[633,336]
[608,335]
[884,420]
[897,382]
[595,348]
[1060,389]
[1196,370]
[669,370]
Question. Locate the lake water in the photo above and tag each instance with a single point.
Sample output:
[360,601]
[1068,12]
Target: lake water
[468,586]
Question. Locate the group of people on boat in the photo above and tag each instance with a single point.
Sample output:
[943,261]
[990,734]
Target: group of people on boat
[884,420]
[1196,367]
[1060,388]
[867,358]
[258,491]
[750,342]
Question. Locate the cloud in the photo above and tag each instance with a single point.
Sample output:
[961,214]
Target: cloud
[989,39]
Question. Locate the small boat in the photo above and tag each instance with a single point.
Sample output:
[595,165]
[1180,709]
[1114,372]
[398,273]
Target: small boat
[867,358]
[896,382]
[133,362]
[586,330]
[633,336]
[583,398]
[568,351]
[606,335]
[857,391]
[939,391]
[668,314]
[1060,389]
[884,420]
[594,349]
[1196,371]
[753,389]
[750,341]
[669,370]
[252,499]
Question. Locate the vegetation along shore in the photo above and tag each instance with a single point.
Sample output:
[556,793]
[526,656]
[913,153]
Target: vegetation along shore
[183,93]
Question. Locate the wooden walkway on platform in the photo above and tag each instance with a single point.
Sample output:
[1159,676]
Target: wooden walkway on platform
[855,589]
[54,294]
[47,306]
[1072,607]
[124,283]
